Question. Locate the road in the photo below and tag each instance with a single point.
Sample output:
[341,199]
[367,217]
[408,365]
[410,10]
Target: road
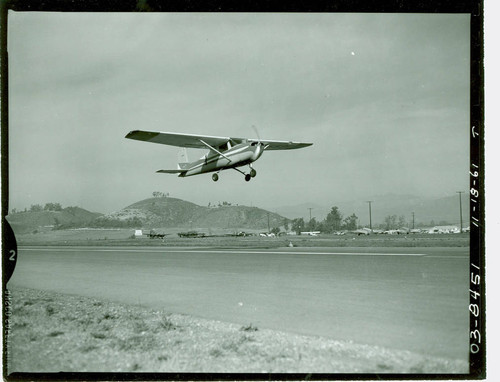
[404,298]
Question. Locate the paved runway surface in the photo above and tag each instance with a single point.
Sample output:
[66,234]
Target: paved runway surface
[405,298]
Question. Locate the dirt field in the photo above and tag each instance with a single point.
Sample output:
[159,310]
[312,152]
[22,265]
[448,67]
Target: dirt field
[50,332]
[115,237]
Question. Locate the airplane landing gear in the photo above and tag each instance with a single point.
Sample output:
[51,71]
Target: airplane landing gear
[248,176]
[215,177]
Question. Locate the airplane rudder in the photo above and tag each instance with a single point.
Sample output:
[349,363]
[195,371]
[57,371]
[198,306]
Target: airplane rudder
[182,155]
[182,159]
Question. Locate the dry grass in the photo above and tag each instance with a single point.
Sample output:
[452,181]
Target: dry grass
[115,237]
[53,332]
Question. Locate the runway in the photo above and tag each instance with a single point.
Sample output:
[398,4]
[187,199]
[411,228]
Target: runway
[412,299]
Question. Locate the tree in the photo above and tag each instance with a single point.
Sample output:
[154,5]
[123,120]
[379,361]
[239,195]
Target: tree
[36,208]
[158,194]
[351,222]
[312,225]
[285,224]
[298,225]
[52,207]
[320,226]
[390,222]
[333,220]
[402,221]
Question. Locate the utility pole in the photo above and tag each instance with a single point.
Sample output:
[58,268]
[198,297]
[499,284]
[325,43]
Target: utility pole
[370,210]
[310,214]
[268,226]
[460,201]
[413,219]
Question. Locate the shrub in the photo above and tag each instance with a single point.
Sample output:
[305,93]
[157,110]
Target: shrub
[249,328]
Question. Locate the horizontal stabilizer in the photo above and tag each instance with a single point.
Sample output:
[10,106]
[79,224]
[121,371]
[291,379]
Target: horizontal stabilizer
[171,171]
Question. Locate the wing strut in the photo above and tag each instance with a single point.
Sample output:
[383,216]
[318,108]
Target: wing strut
[214,149]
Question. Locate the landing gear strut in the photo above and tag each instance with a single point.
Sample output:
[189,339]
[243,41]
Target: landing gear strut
[248,176]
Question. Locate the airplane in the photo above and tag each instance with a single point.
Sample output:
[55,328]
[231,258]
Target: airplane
[223,152]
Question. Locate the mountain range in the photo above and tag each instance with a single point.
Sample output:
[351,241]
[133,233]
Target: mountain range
[168,212]
[424,210]
[156,212]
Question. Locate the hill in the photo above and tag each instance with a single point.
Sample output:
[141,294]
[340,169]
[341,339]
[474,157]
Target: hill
[29,221]
[166,212]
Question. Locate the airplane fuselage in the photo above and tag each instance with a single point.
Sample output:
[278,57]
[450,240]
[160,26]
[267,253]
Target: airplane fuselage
[239,155]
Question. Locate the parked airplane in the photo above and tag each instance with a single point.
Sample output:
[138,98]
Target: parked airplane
[224,152]
[362,231]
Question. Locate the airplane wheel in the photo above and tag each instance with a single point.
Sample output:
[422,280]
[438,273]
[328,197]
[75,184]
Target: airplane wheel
[215,177]
[247,177]
[253,173]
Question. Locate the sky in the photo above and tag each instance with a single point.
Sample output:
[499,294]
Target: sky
[383,97]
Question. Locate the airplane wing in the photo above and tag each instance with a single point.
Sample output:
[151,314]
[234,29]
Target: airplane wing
[177,139]
[281,145]
[201,141]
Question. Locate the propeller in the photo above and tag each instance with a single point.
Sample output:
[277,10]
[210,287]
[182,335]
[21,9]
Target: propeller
[260,147]
[258,137]
[256,132]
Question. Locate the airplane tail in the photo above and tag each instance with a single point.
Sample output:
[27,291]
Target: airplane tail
[183,159]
